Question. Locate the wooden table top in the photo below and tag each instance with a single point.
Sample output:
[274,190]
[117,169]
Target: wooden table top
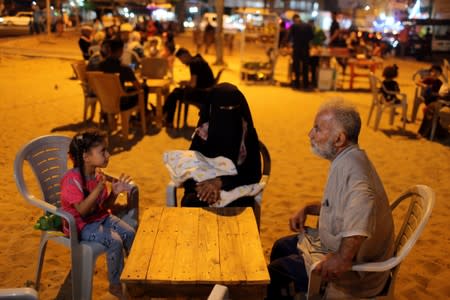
[195,246]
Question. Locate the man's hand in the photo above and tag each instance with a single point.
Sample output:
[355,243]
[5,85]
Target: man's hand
[332,266]
[209,190]
[297,221]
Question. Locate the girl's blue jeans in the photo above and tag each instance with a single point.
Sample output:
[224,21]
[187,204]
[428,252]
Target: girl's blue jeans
[115,235]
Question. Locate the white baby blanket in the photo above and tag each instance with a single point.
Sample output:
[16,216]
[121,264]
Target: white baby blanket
[186,164]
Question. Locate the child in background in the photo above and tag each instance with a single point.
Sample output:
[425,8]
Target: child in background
[431,84]
[84,194]
[389,84]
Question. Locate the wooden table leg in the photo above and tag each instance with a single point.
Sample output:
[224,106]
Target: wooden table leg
[159,111]
[352,75]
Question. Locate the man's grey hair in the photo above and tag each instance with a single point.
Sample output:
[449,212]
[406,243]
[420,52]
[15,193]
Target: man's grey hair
[346,116]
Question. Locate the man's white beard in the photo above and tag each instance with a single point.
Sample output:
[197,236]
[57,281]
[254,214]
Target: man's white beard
[328,153]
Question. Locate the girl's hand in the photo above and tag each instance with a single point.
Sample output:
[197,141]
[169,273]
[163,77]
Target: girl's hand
[209,190]
[101,182]
[122,184]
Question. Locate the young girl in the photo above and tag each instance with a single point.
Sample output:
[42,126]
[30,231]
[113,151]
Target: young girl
[389,83]
[84,195]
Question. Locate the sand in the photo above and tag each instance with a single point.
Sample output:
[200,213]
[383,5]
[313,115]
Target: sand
[39,97]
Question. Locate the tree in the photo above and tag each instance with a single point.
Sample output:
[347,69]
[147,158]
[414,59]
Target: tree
[219,33]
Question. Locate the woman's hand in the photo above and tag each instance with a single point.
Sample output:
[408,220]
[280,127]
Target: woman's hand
[209,190]
[121,185]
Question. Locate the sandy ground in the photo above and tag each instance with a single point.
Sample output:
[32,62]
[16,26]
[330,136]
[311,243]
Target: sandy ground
[39,97]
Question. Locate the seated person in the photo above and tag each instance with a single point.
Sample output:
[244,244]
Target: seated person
[152,48]
[389,83]
[134,44]
[440,110]
[225,129]
[431,84]
[98,56]
[112,64]
[201,78]
[355,221]
[85,41]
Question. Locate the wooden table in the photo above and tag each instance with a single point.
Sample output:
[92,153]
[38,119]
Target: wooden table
[371,64]
[160,87]
[185,251]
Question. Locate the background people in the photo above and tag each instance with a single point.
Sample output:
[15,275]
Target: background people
[300,34]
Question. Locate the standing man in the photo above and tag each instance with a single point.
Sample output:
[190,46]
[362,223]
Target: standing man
[201,78]
[355,221]
[300,34]
[334,30]
[317,42]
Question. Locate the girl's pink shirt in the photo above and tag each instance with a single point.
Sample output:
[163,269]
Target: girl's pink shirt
[72,193]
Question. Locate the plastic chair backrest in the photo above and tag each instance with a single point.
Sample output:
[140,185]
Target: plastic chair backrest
[154,67]
[18,294]
[219,74]
[48,160]
[265,159]
[422,200]
[108,89]
[375,84]
[79,68]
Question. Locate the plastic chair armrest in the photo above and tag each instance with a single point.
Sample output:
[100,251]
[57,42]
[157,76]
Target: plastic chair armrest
[263,182]
[219,292]
[171,194]
[19,293]
[133,93]
[377,266]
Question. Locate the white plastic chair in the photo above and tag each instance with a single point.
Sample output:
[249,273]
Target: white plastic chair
[18,294]
[439,105]
[171,190]
[380,104]
[421,204]
[219,292]
[418,92]
[47,157]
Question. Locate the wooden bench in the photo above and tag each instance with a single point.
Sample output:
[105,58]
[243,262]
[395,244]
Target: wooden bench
[186,251]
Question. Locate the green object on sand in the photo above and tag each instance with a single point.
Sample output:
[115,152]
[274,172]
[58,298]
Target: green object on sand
[49,222]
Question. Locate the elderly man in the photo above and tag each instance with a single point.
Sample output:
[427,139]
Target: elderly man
[355,222]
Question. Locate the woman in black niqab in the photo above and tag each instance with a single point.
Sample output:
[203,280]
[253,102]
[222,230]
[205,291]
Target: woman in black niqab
[225,129]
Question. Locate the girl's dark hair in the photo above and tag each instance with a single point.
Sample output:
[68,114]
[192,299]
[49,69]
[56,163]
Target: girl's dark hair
[81,143]
[390,72]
